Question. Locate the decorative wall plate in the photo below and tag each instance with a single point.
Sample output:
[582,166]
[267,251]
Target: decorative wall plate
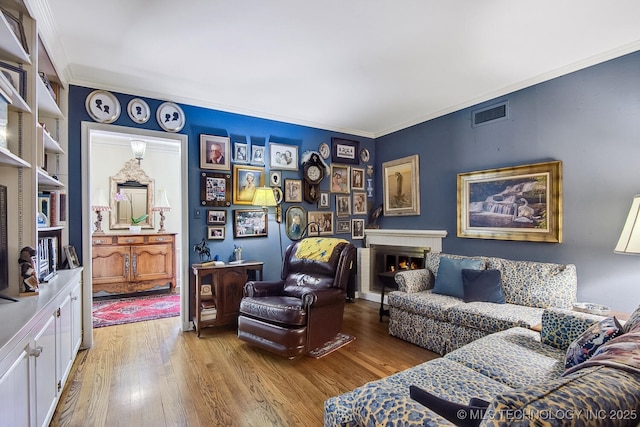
[103,106]
[324,150]
[170,117]
[364,155]
[138,110]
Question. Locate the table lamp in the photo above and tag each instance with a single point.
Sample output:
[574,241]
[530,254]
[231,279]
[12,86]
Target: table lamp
[629,242]
[161,205]
[99,205]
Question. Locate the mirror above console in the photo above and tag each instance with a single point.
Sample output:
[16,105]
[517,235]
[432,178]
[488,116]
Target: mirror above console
[136,191]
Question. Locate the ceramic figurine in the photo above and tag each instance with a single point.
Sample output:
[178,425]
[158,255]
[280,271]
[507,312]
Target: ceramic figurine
[28,270]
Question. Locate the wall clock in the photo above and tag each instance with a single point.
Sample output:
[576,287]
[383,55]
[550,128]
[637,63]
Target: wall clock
[313,173]
[103,106]
[138,110]
[170,117]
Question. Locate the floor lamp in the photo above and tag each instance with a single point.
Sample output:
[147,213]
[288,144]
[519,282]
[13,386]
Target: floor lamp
[265,197]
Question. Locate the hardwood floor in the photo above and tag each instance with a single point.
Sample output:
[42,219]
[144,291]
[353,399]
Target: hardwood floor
[152,374]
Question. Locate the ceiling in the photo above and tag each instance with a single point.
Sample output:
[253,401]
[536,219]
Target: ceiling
[365,67]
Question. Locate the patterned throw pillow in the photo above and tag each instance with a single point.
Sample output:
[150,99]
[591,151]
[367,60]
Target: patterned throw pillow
[634,321]
[588,343]
[449,277]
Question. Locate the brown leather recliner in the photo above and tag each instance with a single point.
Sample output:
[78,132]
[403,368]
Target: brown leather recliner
[304,310]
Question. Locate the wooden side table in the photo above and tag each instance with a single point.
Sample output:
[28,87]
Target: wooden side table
[388,280]
[227,284]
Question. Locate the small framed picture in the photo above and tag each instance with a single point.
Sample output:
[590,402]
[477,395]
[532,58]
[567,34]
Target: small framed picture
[345,151]
[324,202]
[283,156]
[16,77]
[359,203]
[17,29]
[275,178]
[257,155]
[293,190]
[357,229]
[320,223]
[357,179]
[278,194]
[246,180]
[72,257]
[343,226]
[343,205]
[295,222]
[240,152]
[214,152]
[249,223]
[215,189]
[215,233]
[340,179]
[216,217]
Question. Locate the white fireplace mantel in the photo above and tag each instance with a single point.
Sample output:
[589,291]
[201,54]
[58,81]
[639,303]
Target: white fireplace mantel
[407,238]
[431,239]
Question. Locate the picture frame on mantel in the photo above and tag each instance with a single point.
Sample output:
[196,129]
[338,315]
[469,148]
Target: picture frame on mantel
[521,203]
[401,186]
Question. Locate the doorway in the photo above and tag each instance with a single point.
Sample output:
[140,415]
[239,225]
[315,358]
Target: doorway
[106,148]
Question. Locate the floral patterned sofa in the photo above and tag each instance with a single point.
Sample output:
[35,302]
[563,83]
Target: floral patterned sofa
[520,375]
[443,323]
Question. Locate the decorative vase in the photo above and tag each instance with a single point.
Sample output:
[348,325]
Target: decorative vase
[135,228]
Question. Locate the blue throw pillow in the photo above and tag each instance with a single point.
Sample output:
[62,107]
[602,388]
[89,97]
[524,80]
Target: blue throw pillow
[482,285]
[449,277]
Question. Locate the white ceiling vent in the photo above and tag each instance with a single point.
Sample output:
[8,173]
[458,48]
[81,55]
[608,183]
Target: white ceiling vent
[490,114]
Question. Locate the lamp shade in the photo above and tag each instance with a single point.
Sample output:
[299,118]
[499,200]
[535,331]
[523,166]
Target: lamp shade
[162,202]
[629,242]
[100,201]
[138,147]
[264,196]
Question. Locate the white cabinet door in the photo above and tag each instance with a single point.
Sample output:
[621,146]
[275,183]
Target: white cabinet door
[65,346]
[14,388]
[76,318]
[46,384]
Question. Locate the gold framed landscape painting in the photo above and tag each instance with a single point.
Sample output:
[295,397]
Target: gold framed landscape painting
[514,203]
[401,186]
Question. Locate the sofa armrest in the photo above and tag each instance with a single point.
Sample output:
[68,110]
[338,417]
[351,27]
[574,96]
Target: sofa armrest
[560,327]
[411,281]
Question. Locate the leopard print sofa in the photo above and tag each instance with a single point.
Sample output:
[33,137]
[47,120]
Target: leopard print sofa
[443,323]
[519,372]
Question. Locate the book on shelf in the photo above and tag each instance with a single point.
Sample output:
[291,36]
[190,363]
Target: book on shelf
[209,314]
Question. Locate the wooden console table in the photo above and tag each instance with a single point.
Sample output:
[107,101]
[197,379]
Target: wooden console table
[221,305]
[129,263]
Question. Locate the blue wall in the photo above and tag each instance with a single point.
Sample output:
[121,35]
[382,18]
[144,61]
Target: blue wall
[205,121]
[590,120]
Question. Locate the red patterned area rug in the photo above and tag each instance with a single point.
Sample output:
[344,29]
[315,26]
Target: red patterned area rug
[329,347]
[134,309]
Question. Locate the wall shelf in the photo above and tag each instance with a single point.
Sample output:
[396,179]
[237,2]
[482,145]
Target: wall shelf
[46,104]
[11,47]
[44,179]
[16,101]
[7,158]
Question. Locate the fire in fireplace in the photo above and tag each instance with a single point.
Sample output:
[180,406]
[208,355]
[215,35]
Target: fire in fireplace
[394,259]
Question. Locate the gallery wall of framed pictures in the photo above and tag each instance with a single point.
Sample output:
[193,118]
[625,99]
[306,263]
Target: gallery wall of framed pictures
[235,165]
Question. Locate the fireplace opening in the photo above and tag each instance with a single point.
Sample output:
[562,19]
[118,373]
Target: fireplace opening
[388,259]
